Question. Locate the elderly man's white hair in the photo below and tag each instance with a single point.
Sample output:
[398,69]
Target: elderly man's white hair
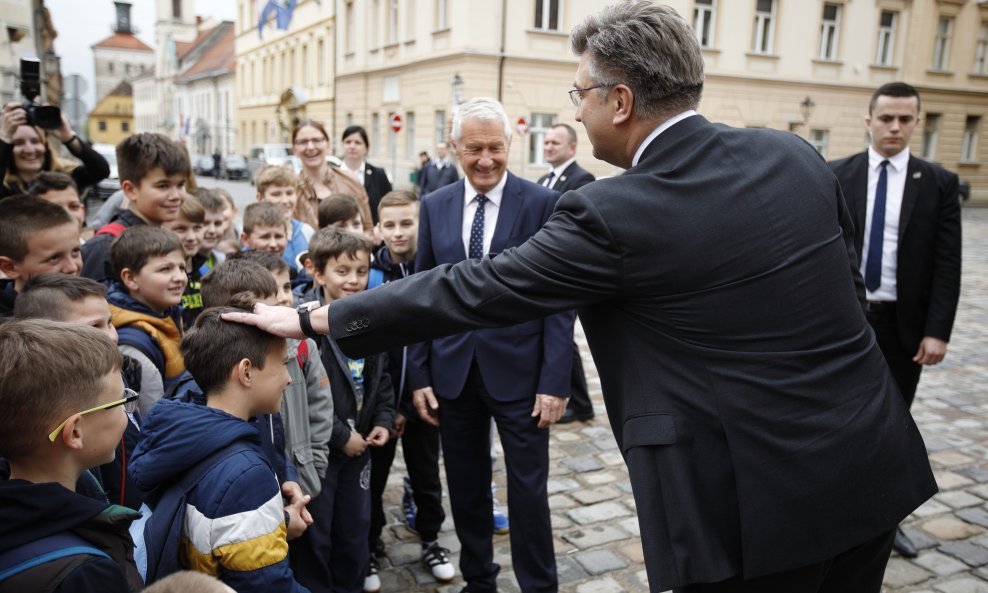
[483,109]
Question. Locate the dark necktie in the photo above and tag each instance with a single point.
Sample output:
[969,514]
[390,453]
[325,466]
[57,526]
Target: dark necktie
[477,229]
[549,178]
[873,269]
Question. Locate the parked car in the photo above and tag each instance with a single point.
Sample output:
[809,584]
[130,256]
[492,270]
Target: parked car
[266,154]
[106,188]
[202,165]
[234,166]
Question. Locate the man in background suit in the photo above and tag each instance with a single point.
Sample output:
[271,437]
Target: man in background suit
[439,173]
[501,373]
[910,257]
[559,149]
[717,283]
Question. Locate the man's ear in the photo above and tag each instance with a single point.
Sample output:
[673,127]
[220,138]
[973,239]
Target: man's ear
[129,189]
[10,268]
[624,103]
[128,278]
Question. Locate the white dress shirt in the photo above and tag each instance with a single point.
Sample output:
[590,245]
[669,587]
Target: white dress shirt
[557,172]
[491,208]
[358,173]
[895,173]
[655,133]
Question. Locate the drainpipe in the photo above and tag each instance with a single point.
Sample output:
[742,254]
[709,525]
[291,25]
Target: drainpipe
[500,58]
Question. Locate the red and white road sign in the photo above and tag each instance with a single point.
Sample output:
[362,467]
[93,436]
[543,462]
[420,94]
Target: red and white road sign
[522,126]
[396,123]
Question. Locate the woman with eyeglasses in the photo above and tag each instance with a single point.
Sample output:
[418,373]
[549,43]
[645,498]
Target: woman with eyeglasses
[319,179]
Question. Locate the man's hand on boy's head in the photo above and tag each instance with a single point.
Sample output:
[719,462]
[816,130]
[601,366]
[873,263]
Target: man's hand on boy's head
[280,321]
[378,436]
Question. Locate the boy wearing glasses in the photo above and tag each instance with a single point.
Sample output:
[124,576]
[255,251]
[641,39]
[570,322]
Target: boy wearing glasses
[56,425]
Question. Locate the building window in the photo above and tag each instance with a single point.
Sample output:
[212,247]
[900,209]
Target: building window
[981,54]
[177,9]
[348,29]
[441,16]
[703,22]
[375,131]
[109,67]
[440,127]
[886,38]
[941,46]
[931,133]
[829,31]
[820,140]
[127,69]
[101,124]
[124,126]
[547,15]
[761,41]
[349,118]
[540,124]
[410,135]
[392,21]
[969,143]
[391,89]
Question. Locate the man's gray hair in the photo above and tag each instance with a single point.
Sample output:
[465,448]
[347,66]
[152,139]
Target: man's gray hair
[484,109]
[647,47]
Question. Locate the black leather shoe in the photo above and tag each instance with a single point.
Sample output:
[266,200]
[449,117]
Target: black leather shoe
[571,415]
[903,545]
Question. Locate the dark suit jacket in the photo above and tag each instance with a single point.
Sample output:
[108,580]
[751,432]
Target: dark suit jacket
[928,264]
[432,178]
[718,287]
[573,177]
[515,362]
[377,184]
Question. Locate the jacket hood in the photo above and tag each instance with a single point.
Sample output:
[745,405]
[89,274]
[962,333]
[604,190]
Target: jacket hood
[177,435]
[31,511]
[117,295]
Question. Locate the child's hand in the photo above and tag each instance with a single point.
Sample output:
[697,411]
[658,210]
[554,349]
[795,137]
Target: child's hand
[299,517]
[378,436]
[355,445]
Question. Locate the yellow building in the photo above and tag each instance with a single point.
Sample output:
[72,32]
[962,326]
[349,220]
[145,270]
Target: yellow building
[113,118]
[808,66]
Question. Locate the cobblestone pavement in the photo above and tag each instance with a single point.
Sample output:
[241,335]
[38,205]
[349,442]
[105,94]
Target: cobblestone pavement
[598,548]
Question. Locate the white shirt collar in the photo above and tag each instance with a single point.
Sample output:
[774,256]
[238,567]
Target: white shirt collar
[359,169]
[655,133]
[899,161]
[558,171]
[494,196]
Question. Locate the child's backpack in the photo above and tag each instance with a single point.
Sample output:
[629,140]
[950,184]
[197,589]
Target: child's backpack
[375,278]
[43,564]
[158,533]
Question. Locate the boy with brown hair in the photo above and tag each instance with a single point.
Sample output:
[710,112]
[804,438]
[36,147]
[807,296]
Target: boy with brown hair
[61,189]
[236,524]
[341,211]
[214,222]
[55,425]
[188,227]
[153,172]
[363,404]
[149,281]
[276,185]
[264,228]
[36,236]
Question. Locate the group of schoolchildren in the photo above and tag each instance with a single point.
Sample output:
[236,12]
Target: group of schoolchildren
[121,385]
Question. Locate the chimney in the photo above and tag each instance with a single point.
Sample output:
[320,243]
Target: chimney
[123,17]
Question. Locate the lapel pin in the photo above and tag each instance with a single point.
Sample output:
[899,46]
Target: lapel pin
[562,178]
[917,174]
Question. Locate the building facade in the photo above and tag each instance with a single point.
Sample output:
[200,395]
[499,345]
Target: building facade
[808,67]
[121,56]
[112,119]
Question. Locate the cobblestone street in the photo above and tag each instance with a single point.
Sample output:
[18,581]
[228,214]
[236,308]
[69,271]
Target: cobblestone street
[597,543]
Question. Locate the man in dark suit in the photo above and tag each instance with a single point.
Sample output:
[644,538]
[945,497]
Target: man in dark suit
[439,173]
[718,286]
[501,373]
[910,246]
[559,149]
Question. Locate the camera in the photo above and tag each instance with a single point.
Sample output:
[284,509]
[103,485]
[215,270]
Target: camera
[43,116]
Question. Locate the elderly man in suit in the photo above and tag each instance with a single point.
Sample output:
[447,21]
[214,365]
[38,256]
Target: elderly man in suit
[907,228]
[559,150]
[717,282]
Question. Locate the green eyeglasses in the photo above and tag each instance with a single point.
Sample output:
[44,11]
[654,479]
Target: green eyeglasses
[128,401]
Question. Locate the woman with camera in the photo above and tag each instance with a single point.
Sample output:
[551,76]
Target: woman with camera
[24,152]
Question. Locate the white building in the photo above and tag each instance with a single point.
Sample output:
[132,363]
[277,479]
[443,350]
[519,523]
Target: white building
[121,56]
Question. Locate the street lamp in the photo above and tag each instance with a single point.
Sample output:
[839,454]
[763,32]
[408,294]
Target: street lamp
[806,108]
[456,82]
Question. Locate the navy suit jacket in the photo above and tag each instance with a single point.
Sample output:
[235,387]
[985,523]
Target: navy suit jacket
[432,178]
[515,362]
[573,177]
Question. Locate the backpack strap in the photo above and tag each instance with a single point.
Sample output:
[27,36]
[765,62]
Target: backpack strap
[111,228]
[46,549]
[375,278]
[131,336]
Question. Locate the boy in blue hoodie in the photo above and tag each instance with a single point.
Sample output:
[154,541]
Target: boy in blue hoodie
[55,425]
[149,281]
[236,525]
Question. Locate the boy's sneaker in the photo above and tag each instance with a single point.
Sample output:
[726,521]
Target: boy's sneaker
[500,521]
[372,582]
[408,504]
[437,558]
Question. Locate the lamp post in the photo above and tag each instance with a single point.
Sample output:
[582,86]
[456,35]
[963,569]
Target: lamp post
[805,109]
[456,83]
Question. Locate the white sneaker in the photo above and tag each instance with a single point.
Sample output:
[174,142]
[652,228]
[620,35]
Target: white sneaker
[438,560]
[372,582]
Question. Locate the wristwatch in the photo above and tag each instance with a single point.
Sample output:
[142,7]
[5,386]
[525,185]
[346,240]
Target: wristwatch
[304,310]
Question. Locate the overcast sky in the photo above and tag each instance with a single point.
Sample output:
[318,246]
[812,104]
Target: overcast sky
[80,24]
